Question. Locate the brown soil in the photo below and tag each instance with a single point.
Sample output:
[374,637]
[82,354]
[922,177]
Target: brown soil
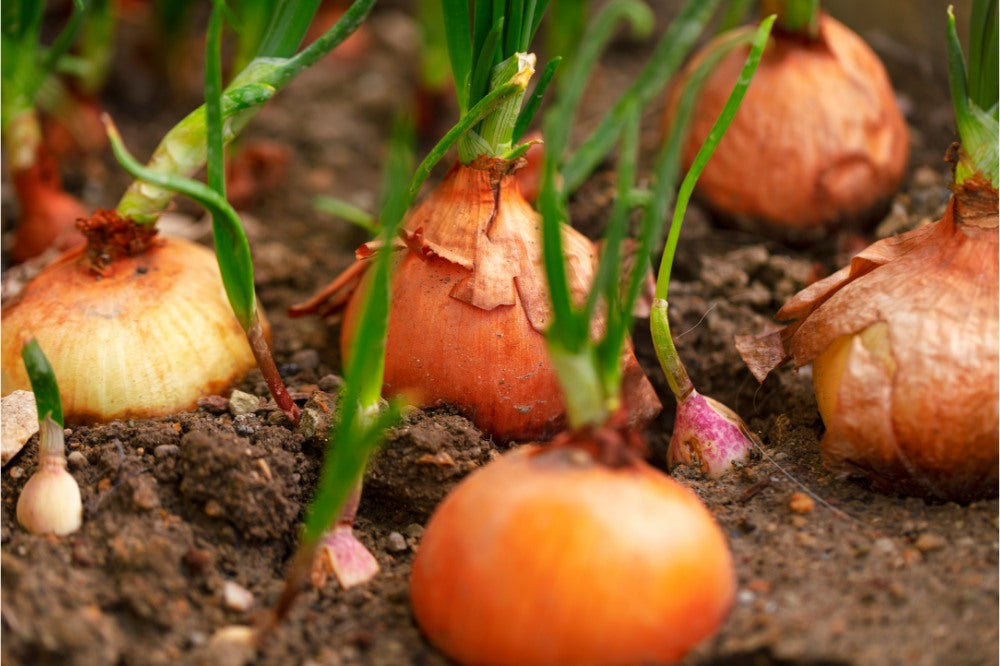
[179,507]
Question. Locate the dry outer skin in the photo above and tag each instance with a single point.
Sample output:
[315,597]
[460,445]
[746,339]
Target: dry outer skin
[922,416]
[903,582]
[818,140]
[470,286]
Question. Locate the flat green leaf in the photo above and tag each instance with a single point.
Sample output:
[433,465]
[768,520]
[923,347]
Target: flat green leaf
[43,382]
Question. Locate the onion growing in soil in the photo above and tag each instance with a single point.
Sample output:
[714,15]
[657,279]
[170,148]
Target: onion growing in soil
[50,501]
[147,336]
[904,340]
[138,325]
[470,306]
[819,141]
[550,556]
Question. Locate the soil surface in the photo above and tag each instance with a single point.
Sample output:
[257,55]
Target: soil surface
[191,519]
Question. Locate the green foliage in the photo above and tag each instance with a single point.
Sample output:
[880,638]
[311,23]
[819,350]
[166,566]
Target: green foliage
[43,382]
[589,370]
[663,63]
[977,125]
[360,425]
[482,47]
[24,61]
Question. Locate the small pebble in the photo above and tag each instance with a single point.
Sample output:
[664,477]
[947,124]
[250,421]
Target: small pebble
[243,403]
[414,530]
[228,646]
[885,545]
[929,541]
[395,543]
[213,509]
[330,383]
[18,423]
[235,597]
[164,451]
[801,503]
[16,472]
[307,359]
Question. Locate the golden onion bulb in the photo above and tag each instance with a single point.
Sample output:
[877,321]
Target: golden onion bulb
[549,556]
[904,347]
[147,338]
[818,141]
[470,307]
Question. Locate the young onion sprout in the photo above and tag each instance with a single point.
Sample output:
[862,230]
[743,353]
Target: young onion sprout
[50,501]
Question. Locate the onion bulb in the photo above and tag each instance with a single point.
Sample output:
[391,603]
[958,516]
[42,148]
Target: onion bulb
[147,336]
[48,214]
[819,140]
[549,556]
[903,344]
[50,501]
[470,307]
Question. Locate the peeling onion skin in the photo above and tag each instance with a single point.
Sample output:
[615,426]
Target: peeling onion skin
[546,556]
[147,339]
[818,143]
[904,344]
[469,304]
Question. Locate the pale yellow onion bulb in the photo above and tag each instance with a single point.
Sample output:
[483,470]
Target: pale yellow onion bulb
[50,501]
[147,339]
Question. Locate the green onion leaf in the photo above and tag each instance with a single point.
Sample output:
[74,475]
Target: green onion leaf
[669,53]
[43,382]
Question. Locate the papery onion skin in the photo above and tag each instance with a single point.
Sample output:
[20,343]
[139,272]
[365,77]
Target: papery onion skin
[147,339]
[469,307]
[904,344]
[546,556]
[818,142]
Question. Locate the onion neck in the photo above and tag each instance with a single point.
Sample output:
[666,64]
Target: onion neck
[975,203]
[494,136]
[111,236]
[795,17]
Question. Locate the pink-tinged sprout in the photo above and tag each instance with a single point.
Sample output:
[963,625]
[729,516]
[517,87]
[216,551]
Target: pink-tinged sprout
[706,433]
[339,552]
[709,435]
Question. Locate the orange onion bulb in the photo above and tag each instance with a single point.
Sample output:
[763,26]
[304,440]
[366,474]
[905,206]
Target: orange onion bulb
[904,347]
[470,307]
[819,140]
[146,338]
[549,556]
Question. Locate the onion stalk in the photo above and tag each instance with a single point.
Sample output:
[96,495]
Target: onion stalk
[903,341]
[50,501]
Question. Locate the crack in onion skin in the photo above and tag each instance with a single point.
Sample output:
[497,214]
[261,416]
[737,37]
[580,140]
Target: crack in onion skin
[146,339]
[904,344]
[470,307]
[818,142]
[547,556]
